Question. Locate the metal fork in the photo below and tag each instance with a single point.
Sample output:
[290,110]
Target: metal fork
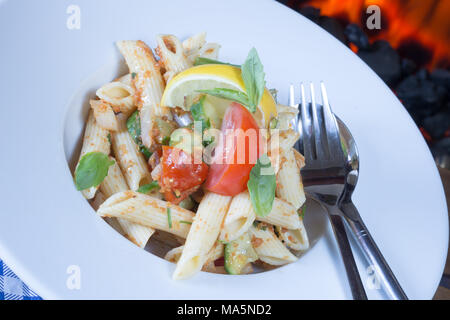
[324,173]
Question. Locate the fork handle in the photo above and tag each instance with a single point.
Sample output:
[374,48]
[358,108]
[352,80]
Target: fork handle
[351,269]
[371,251]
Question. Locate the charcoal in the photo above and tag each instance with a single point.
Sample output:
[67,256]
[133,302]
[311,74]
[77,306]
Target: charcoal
[334,27]
[413,50]
[441,148]
[356,36]
[437,124]
[408,67]
[420,96]
[384,60]
[311,13]
[441,77]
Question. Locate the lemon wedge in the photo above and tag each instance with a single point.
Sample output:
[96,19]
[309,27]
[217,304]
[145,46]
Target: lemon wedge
[210,76]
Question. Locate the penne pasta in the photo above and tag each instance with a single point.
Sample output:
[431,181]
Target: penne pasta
[210,50]
[104,115]
[112,184]
[203,234]
[148,211]
[192,45]
[240,217]
[296,239]
[299,158]
[172,56]
[131,161]
[289,184]
[119,94]
[95,140]
[269,248]
[148,84]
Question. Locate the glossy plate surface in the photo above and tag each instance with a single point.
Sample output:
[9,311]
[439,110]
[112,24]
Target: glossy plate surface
[46,226]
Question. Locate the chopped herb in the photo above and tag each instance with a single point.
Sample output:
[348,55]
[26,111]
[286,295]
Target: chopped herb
[133,75]
[274,93]
[92,169]
[146,188]
[186,222]
[301,211]
[200,60]
[169,218]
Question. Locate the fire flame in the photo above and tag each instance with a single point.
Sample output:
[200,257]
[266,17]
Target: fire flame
[423,22]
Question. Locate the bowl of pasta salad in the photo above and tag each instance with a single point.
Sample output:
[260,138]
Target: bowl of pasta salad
[192,158]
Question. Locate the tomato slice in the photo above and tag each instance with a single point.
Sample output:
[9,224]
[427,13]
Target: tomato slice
[180,175]
[232,162]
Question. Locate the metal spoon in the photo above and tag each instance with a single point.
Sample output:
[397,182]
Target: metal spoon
[356,224]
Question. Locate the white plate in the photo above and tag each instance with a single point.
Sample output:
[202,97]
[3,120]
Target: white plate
[46,226]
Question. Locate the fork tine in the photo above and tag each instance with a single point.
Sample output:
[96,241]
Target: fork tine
[291,96]
[317,126]
[332,131]
[306,134]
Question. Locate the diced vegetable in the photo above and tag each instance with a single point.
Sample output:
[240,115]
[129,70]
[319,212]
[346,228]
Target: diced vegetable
[186,140]
[187,203]
[238,254]
[147,188]
[134,128]
[164,130]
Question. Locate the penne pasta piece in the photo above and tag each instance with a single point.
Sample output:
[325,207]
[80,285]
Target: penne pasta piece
[104,115]
[148,211]
[215,253]
[210,51]
[299,158]
[203,234]
[112,184]
[240,217]
[192,45]
[148,84]
[97,200]
[296,239]
[174,254]
[171,52]
[95,140]
[119,94]
[289,183]
[269,248]
[131,161]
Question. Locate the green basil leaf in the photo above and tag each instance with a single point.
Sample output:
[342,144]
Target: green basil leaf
[200,60]
[146,188]
[198,113]
[232,95]
[253,75]
[261,186]
[134,129]
[91,170]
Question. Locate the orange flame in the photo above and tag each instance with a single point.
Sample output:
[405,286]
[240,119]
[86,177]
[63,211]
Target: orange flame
[424,21]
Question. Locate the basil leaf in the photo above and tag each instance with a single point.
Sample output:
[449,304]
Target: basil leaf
[261,186]
[200,61]
[253,75]
[232,95]
[91,170]
[198,113]
[134,129]
[146,188]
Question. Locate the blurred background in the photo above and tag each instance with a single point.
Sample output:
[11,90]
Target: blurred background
[410,50]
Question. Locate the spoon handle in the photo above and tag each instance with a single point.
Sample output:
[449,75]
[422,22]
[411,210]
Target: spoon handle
[371,251]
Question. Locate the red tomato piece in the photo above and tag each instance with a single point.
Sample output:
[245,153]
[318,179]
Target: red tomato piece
[232,162]
[180,175]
